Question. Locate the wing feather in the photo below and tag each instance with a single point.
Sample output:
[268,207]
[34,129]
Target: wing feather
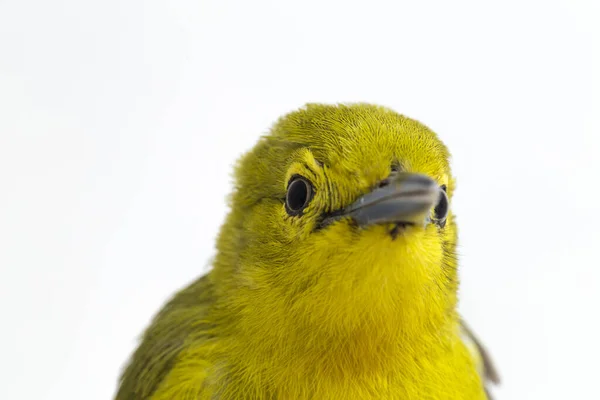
[163,341]
[485,365]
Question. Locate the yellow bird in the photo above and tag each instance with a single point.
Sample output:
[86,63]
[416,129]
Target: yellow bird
[335,275]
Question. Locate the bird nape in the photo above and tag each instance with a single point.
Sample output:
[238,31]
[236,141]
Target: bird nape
[335,275]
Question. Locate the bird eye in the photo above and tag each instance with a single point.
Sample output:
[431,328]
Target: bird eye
[441,209]
[299,194]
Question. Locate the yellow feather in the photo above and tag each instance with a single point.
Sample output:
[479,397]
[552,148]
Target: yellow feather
[291,311]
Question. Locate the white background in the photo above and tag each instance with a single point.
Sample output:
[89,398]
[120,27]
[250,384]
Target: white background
[120,120]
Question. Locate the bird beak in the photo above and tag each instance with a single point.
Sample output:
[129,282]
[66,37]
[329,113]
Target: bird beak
[407,198]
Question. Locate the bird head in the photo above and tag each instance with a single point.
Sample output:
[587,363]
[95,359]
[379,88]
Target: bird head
[340,218]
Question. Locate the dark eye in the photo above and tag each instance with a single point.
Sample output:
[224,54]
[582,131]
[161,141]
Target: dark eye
[299,194]
[441,209]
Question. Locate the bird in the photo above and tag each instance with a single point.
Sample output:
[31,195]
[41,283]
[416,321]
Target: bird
[335,274]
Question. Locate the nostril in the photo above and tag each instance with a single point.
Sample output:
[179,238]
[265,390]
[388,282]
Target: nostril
[383,183]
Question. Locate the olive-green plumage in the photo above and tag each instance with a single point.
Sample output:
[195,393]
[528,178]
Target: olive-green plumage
[335,275]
